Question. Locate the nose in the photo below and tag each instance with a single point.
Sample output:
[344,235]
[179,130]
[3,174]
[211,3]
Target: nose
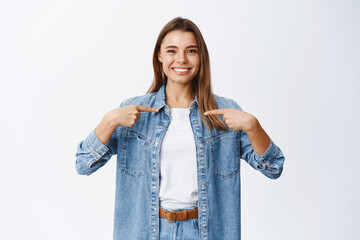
[181,57]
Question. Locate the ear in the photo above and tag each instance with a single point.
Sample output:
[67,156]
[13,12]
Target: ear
[159,57]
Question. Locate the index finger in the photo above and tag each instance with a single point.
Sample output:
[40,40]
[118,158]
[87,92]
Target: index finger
[215,112]
[146,109]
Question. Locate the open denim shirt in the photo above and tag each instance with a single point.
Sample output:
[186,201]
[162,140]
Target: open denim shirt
[218,155]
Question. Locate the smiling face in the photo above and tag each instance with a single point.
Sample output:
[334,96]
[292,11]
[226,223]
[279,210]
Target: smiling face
[179,56]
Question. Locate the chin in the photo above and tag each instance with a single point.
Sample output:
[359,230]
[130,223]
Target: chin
[182,81]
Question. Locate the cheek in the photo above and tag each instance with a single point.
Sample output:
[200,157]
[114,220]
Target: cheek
[168,59]
[196,61]
[166,62]
[165,67]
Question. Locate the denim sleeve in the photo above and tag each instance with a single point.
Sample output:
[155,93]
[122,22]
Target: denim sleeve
[92,153]
[270,163]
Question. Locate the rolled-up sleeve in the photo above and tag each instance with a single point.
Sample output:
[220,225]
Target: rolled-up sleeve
[92,153]
[270,163]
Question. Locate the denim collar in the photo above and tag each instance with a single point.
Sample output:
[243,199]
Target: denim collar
[160,98]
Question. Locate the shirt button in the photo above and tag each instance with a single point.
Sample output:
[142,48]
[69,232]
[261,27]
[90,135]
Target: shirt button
[195,121]
[155,164]
[199,140]
[154,209]
[156,143]
[204,229]
[154,229]
[202,185]
[154,187]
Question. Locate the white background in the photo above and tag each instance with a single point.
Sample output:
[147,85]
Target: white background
[292,64]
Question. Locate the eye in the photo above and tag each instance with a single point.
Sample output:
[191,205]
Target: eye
[193,51]
[170,51]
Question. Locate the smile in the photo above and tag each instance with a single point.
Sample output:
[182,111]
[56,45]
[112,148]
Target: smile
[181,71]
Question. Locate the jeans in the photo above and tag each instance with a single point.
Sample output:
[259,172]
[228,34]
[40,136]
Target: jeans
[179,230]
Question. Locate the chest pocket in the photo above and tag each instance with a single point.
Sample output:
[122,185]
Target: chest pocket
[225,156]
[134,152]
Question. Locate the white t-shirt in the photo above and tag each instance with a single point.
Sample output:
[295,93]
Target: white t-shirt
[178,168]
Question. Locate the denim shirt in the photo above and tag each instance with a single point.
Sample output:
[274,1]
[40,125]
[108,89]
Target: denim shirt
[218,155]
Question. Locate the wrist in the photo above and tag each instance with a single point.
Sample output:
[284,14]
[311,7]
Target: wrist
[252,125]
[109,120]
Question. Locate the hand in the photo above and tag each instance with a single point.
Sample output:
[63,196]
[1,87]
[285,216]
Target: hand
[234,118]
[128,115]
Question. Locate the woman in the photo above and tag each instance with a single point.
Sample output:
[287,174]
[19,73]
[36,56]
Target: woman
[178,148]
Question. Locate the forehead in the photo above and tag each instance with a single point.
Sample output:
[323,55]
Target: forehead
[179,38]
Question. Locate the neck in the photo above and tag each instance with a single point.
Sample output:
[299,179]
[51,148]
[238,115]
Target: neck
[179,95]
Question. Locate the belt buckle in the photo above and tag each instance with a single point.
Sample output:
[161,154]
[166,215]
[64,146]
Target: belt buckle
[174,214]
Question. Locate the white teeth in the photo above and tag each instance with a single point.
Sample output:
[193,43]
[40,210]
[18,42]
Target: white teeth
[181,70]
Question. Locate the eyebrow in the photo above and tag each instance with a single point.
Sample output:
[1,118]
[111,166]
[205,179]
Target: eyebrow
[191,46]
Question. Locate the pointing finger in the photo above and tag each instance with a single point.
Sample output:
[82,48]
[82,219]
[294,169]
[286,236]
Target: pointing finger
[146,109]
[215,112]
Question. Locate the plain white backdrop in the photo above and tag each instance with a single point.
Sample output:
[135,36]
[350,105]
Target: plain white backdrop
[295,65]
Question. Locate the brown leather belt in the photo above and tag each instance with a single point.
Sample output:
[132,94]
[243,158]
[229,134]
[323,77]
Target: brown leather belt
[173,216]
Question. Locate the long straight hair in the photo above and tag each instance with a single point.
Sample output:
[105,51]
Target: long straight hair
[201,82]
